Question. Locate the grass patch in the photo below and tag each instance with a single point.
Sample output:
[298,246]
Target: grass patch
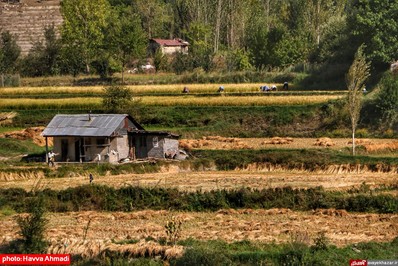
[294,253]
[104,198]
[13,147]
[306,159]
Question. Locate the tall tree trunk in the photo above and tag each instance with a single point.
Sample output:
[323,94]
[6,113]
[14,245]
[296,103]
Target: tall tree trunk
[218,26]
[267,7]
[318,22]
[353,142]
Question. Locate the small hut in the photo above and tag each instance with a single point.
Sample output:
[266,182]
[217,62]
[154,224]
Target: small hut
[105,138]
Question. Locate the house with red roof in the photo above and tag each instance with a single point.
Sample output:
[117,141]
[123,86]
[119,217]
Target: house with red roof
[168,46]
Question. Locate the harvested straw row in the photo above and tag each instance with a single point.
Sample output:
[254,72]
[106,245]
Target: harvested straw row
[6,118]
[221,139]
[392,146]
[278,140]
[360,141]
[329,169]
[325,142]
[4,176]
[189,144]
[98,248]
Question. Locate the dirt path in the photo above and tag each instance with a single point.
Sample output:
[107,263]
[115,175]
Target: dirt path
[208,180]
[275,225]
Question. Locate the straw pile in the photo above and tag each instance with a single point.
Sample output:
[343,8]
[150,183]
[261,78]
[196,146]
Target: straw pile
[98,248]
[6,118]
[325,142]
[392,146]
[189,144]
[330,212]
[361,141]
[278,140]
[31,133]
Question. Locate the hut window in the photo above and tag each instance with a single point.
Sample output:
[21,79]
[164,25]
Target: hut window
[143,141]
[100,142]
[155,142]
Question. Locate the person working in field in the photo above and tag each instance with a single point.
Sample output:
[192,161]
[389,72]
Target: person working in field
[51,158]
[285,86]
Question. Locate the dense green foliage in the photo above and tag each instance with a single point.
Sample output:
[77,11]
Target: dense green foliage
[312,36]
[387,101]
[31,228]
[104,198]
[44,58]
[9,53]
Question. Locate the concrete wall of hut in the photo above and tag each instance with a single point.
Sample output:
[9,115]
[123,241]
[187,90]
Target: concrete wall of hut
[171,147]
[155,146]
[94,149]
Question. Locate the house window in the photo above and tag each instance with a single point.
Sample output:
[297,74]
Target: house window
[155,142]
[100,142]
[143,141]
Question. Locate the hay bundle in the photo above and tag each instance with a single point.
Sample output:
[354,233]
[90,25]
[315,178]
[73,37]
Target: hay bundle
[325,142]
[278,140]
[331,212]
[189,144]
[31,133]
[360,141]
[392,146]
[221,139]
[6,118]
[145,249]
[240,145]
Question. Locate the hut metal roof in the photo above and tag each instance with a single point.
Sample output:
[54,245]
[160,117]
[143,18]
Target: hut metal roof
[86,125]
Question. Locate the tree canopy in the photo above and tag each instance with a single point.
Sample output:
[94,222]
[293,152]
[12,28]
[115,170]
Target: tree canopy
[269,34]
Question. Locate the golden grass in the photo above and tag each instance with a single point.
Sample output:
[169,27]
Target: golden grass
[170,88]
[51,90]
[147,89]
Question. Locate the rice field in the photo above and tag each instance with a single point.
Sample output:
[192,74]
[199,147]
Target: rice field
[136,89]
[156,89]
[189,100]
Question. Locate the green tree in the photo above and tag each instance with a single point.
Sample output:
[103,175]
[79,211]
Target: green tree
[387,100]
[32,228]
[83,28]
[156,16]
[9,53]
[374,23]
[126,39]
[116,99]
[355,80]
[44,58]
[160,61]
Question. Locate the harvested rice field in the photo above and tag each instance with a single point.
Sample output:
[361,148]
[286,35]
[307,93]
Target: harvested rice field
[338,178]
[266,226]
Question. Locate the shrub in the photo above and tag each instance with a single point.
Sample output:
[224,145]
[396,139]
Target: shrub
[32,228]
